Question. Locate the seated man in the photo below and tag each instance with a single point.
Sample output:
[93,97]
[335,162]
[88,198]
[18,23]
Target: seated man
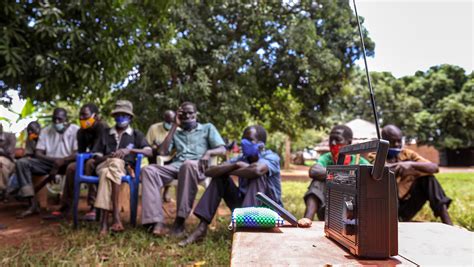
[195,143]
[56,148]
[258,170]
[114,154]
[7,156]
[315,197]
[88,135]
[33,130]
[415,180]
[156,135]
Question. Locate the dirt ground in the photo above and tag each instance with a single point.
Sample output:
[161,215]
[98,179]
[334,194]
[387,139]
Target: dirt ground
[39,233]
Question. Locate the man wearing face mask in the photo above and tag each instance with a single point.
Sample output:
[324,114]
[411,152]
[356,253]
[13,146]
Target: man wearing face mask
[155,136]
[315,197]
[56,148]
[32,130]
[114,154]
[87,136]
[157,133]
[194,143]
[258,170]
[415,179]
[7,156]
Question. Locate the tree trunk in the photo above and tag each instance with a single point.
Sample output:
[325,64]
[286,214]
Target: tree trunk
[287,153]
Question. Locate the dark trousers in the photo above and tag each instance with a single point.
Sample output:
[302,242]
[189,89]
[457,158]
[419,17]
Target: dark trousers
[27,167]
[225,188]
[425,188]
[67,197]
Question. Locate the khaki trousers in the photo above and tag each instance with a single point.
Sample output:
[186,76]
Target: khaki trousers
[6,169]
[109,171]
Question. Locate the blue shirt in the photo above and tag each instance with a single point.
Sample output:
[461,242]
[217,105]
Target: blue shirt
[272,160]
[191,145]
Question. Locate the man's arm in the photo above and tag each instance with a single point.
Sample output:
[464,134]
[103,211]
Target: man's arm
[165,145]
[413,168]
[317,172]
[224,169]
[252,171]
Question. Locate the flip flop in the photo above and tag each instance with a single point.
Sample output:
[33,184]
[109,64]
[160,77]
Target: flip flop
[90,216]
[117,228]
[55,215]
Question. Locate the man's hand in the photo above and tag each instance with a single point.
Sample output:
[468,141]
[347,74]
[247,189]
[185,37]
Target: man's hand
[404,168]
[203,163]
[58,163]
[121,153]
[241,164]
[176,118]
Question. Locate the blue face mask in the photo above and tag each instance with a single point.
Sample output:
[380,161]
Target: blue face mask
[122,121]
[393,153]
[249,149]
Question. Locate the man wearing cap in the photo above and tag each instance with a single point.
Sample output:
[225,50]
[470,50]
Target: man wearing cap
[195,143]
[56,148]
[115,150]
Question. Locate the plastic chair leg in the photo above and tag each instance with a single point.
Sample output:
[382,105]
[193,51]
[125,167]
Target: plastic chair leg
[75,203]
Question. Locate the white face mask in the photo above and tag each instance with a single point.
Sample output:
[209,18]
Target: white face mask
[59,127]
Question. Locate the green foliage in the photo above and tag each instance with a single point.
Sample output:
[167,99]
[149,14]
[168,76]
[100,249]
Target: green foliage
[273,63]
[70,50]
[308,138]
[435,107]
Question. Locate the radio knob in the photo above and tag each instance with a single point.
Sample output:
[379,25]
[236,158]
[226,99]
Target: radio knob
[349,207]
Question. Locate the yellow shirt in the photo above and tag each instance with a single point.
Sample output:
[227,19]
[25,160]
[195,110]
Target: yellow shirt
[156,134]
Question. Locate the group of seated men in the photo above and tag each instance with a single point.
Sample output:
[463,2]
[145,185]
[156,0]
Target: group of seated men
[52,150]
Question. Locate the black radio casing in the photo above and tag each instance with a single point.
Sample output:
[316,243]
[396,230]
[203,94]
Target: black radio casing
[361,211]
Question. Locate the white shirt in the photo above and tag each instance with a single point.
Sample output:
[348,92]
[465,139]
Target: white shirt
[58,145]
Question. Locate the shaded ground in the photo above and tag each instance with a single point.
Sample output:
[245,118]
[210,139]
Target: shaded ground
[42,234]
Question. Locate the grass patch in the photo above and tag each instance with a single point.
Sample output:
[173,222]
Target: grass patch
[137,247]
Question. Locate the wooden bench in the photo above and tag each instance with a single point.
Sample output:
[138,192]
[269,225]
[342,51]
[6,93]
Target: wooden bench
[419,244]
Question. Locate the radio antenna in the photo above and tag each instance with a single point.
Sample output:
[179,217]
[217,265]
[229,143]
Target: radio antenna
[372,98]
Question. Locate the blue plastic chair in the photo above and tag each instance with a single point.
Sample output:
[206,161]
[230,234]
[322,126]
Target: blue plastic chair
[80,178]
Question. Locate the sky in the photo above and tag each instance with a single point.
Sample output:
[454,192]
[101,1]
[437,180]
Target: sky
[415,35]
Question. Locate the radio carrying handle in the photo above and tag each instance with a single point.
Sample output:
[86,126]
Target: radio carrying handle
[380,146]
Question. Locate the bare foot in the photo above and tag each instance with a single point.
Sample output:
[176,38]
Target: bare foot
[103,232]
[304,223]
[117,227]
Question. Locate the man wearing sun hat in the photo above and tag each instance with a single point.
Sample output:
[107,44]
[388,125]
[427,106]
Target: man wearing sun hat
[114,151]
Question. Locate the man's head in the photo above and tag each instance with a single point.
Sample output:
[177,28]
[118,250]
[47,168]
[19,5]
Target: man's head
[123,113]
[340,136]
[60,119]
[394,136]
[169,117]
[253,141]
[33,130]
[88,115]
[187,114]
